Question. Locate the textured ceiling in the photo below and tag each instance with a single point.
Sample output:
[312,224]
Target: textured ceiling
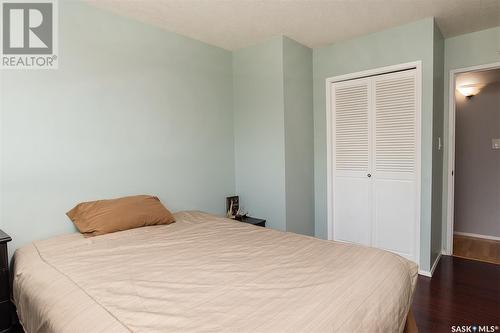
[234,24]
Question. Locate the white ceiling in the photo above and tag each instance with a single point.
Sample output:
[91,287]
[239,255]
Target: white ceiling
[234,24]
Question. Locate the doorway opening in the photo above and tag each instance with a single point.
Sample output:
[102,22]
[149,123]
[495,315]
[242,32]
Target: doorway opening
[474,161]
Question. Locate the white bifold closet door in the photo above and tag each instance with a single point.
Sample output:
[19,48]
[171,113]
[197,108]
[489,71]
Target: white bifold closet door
[375,162]
[353,161]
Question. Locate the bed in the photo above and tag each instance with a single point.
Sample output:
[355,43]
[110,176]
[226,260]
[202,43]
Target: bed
[209,274]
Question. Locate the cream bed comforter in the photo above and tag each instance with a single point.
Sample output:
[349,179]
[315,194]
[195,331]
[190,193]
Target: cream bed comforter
[209,274]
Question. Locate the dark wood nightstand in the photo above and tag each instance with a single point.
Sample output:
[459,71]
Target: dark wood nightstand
[5,305]
[252,220]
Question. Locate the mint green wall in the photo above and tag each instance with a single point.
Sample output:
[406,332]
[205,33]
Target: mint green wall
[131,109]
[259,134]
[299,137]
[477,48]
[410,42]
[437,154]
[273,130]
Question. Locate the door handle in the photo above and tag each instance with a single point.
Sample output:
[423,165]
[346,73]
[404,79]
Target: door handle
[369,175]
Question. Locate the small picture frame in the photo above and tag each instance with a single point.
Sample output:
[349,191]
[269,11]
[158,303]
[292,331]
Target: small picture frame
[232,206]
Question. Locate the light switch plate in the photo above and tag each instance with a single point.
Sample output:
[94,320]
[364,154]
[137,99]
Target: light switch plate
[495,143]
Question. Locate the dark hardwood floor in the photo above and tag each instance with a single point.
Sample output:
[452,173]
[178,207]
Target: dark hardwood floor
[461,292]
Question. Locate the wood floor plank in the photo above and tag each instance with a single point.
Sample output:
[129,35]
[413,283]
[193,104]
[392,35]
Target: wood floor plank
[461,292]
[476,248]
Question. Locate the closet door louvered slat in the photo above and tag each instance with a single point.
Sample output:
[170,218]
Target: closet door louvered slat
[351,133]
[394,174]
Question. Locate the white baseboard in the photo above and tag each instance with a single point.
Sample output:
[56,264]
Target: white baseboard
[435,263]
[424,273]
[429,273]
[468,234]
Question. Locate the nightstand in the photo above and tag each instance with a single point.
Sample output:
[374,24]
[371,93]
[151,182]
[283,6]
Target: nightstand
[5,305]
[252,220]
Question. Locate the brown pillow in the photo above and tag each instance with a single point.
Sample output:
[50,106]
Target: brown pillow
[104,216]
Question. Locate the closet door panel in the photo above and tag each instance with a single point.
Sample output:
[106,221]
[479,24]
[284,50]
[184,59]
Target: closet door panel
[351,161]
[394,210]
[394,163]
[352,210]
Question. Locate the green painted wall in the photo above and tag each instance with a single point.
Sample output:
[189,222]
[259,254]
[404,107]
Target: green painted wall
[437,154]
[259,133]
[402,44]
[274,133]
[131,109]
[299,137]
[477,48]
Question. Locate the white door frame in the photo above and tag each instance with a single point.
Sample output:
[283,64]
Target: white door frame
[417,65]
[451,149]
